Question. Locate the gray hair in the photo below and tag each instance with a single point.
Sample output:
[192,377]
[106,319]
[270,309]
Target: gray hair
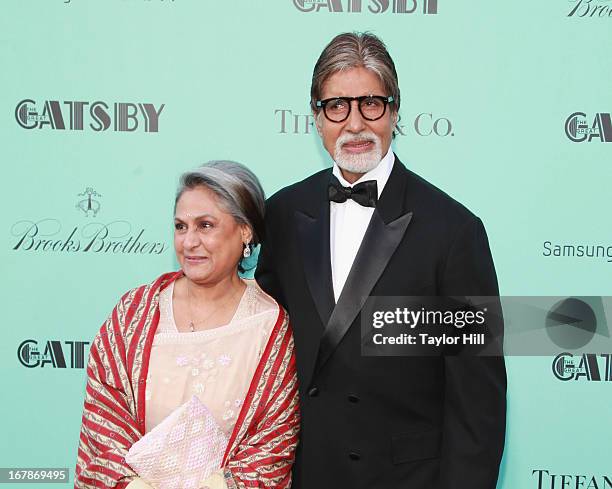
[238,189]
[353,50]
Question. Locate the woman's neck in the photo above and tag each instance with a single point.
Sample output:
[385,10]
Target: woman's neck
[211,292]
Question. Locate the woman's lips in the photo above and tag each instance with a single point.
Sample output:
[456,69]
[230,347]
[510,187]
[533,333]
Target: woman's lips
[196,259]
[358,146]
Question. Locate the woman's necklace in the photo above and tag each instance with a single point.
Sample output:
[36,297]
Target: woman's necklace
[192,323]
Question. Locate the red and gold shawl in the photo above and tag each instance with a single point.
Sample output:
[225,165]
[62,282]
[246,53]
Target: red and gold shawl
[262,445]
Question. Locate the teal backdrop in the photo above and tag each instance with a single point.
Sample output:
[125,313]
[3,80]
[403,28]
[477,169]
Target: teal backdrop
[103,103]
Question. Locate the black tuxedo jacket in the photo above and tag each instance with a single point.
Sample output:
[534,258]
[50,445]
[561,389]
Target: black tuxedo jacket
[385,422]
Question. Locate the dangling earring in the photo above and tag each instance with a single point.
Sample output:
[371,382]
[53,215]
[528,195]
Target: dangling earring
[247,250]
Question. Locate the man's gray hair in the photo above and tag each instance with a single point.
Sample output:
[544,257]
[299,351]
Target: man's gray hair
[353,50]
[238,189]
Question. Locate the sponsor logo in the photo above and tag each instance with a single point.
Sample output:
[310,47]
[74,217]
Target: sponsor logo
[575,250]
[89,204]
[572,324]
[591,367]
[424,124]
[107,237]
[96,116]
[426,7]
[546,480]
[52,353]
[590,8]
[578,128]
[289,122]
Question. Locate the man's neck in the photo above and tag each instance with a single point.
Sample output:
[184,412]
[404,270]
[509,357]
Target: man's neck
[349,176]
[352,177]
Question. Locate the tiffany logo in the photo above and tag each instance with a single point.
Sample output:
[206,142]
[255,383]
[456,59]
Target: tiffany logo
[89,204]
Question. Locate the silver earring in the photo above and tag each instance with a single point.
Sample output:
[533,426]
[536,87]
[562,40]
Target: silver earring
[247,250]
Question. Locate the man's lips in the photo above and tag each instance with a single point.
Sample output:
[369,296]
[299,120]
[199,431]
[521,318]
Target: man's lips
[358,146]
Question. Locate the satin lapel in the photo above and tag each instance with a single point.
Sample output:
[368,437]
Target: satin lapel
[384,233]
[379,243]
[313,235]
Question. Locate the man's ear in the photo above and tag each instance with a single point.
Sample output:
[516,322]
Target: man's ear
[317,120]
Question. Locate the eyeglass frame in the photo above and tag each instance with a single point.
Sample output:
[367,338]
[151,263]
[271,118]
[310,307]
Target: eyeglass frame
[320,104]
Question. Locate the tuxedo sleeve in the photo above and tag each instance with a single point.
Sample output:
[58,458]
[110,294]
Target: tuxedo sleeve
[267,270]
[475,386]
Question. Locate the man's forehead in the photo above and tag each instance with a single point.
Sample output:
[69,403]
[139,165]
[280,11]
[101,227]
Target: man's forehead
[348,82]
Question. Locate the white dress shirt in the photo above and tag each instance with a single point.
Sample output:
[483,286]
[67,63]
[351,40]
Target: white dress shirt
[348,222]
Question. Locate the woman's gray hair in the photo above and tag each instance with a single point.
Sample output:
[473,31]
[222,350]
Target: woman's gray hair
[238,189]
[353,50]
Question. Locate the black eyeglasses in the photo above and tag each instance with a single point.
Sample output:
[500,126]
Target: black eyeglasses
[371,107]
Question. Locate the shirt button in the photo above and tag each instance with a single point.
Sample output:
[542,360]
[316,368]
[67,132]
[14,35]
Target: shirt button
[313,392]
[353,398]
[354,456]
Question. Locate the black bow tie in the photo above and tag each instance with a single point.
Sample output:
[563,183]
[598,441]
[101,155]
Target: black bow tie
[364,193]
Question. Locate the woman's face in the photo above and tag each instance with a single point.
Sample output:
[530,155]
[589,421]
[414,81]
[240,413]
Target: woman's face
[208,241]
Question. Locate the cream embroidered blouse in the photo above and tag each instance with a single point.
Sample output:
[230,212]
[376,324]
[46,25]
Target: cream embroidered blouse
[216,365]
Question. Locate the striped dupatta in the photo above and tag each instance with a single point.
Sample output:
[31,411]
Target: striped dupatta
[261,448]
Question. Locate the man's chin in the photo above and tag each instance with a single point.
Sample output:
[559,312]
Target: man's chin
[359,163]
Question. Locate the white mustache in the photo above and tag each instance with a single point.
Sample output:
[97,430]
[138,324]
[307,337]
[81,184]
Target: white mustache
[360,138]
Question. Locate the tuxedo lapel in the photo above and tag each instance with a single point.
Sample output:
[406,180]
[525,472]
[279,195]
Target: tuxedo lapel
[384,233]
[313,236]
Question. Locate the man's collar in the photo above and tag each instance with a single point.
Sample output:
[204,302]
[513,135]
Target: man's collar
[380,173]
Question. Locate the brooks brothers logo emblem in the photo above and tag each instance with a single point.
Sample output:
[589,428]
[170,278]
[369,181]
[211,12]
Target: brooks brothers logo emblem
[49,234]
[371,6]
[89,204]
[96,116]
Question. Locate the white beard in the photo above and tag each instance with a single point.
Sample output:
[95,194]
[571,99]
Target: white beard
[362,162]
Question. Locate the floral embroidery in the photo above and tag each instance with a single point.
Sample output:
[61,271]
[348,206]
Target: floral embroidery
[182,361]
[224,360]
[195,372]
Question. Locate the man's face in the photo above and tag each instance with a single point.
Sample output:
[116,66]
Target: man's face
[356,144]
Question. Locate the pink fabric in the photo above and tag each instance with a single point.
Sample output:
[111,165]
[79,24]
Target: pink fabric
[185,448]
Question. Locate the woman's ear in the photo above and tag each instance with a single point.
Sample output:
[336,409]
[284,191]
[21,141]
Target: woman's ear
[247,233]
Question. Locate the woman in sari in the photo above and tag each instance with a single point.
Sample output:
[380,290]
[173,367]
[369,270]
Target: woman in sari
[201,340]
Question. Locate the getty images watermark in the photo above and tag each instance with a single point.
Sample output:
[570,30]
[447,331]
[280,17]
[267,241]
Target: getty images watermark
[484,325]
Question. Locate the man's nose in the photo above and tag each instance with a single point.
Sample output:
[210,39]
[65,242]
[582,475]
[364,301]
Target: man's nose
[355,121]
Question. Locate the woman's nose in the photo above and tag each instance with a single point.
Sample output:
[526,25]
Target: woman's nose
[191,239]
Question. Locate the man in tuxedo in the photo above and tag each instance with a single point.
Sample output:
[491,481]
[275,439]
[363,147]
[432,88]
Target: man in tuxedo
[371,227]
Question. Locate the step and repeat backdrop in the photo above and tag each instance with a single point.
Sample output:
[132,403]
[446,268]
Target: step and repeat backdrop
[104,103]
